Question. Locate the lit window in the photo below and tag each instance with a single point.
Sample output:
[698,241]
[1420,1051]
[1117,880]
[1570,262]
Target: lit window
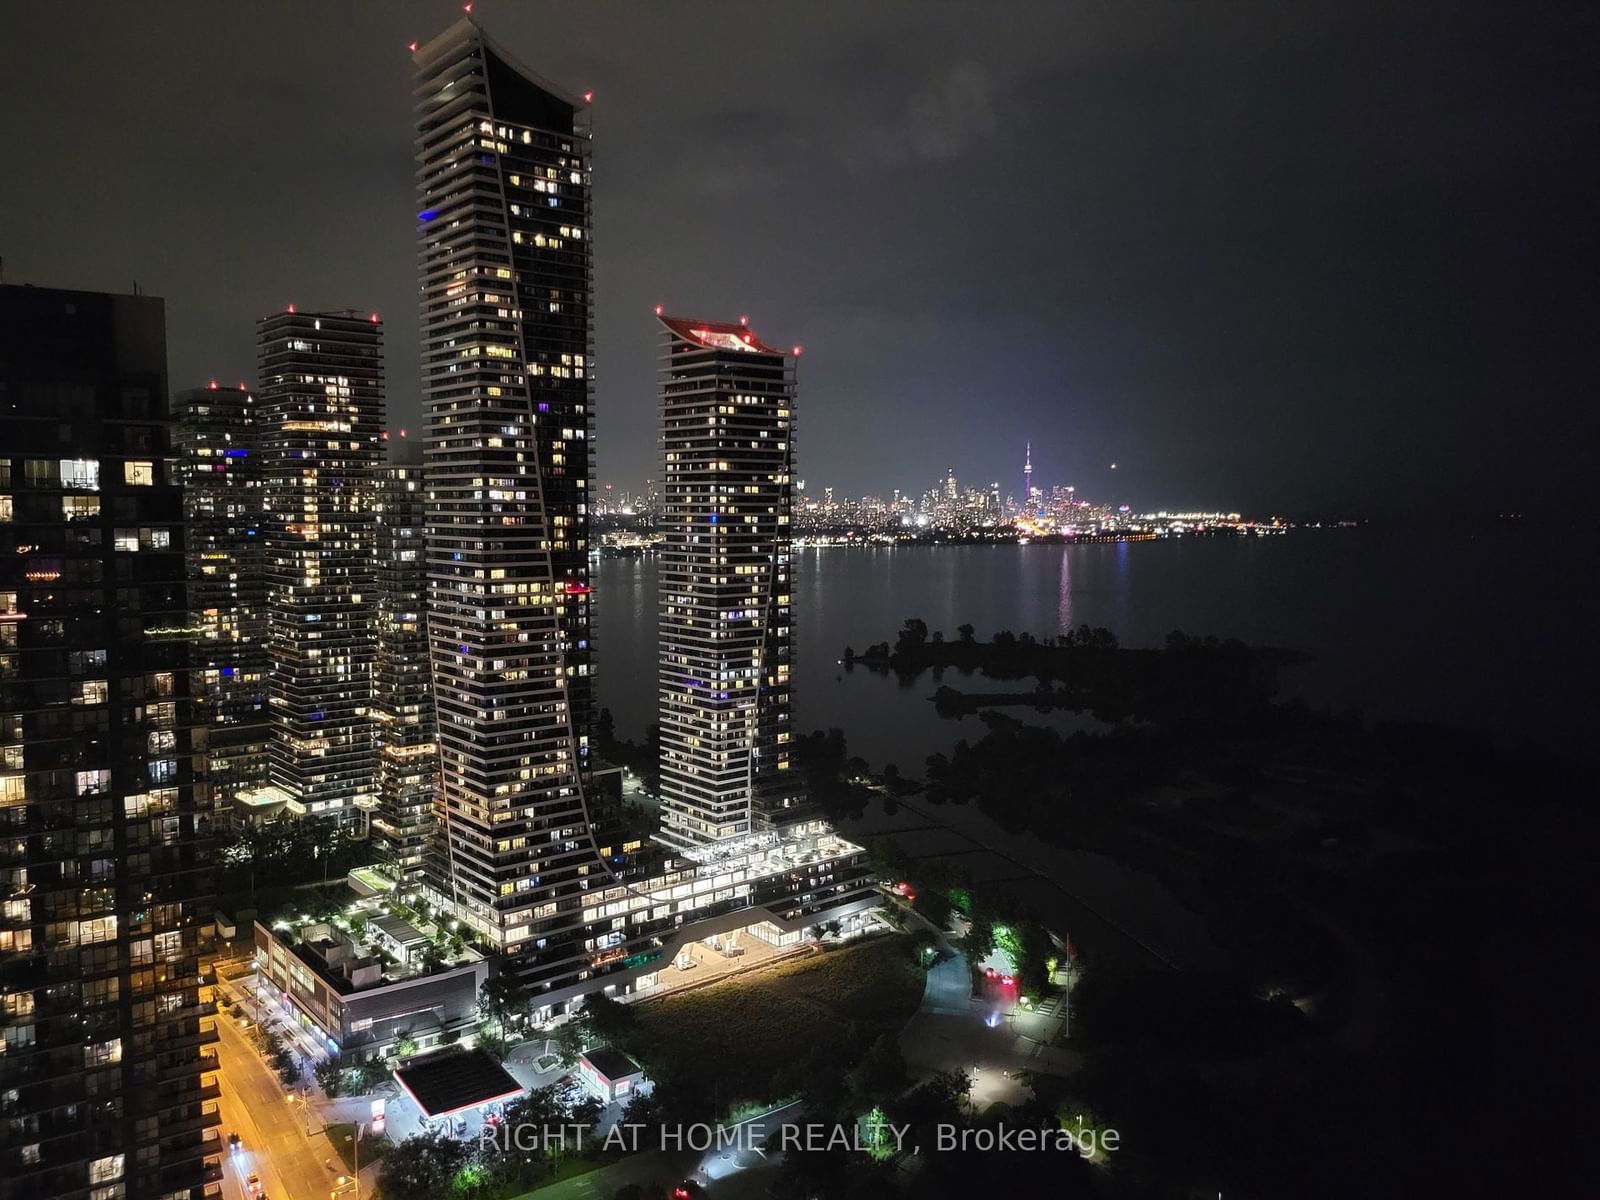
[75,508]
[100,1053]
[91,691]
[80,473]
[134,473]
[105,1170]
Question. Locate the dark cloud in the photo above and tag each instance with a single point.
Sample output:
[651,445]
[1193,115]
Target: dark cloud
[1274,255]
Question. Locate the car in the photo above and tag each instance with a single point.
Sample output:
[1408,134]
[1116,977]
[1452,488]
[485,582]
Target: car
[990,973]
[1006,981]
[253,1186]
[234,1143]
[687,1190]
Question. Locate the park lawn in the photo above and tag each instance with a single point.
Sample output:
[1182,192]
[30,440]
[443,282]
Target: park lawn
[342,1135]
[743,1030]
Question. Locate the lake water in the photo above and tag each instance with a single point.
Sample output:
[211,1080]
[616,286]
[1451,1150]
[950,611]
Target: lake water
[1489,628]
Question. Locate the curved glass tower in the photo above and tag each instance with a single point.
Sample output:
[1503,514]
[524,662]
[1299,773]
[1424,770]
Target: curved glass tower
[503,232]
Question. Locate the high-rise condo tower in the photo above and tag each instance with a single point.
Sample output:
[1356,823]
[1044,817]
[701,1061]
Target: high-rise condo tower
[727,408]
[321,414]
[503,240]
[219,436]
[107,850]
[402,701]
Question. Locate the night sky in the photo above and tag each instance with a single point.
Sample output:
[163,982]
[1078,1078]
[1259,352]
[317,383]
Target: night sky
[1286,257]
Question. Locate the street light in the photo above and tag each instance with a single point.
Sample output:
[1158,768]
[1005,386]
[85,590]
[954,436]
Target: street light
[301,1099]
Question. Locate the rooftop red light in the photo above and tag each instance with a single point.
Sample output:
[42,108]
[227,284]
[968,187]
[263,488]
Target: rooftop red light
[213,385]
[588,97]
[717,334]
[412,47]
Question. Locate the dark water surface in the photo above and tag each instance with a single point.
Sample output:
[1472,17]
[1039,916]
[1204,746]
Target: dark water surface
[1488,628]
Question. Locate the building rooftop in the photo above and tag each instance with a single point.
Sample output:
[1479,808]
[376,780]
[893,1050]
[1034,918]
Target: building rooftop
[718,334]
[399,929]
[611,1064]
[453,1082]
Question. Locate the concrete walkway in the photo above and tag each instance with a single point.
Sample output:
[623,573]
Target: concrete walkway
[992,1039]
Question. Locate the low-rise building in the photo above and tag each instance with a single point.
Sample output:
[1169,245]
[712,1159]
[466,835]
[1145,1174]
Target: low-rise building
[357,998]
[610,1074]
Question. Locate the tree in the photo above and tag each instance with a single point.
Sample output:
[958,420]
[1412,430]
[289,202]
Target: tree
[503,999]
[913,637]
[287,1064]
[570,1041]
[330,1078]
[967,634]
[882,1072]
[421,1167]
[609,1019]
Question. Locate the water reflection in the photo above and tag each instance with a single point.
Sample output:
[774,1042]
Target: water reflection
[1349,599]
[1064,608]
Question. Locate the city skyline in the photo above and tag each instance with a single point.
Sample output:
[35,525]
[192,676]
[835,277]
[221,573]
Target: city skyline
[1198,351]
[1062,714]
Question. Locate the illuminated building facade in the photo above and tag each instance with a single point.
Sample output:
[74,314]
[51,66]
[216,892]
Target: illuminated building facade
[107,1084]
[321,412]
[217,435]
[527,852]
[727,405]
[402,702]
[503,232]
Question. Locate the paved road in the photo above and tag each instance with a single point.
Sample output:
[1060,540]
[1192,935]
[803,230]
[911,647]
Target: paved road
[275,1144]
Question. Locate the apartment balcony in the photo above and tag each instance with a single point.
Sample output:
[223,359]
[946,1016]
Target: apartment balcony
[205,1116]
[189,1033]
[194,1066]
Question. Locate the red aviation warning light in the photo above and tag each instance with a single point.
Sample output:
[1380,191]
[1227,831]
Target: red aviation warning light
[374,318]
[588,97]
[213,385]
[411,46]
[797,350]
[659,310]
